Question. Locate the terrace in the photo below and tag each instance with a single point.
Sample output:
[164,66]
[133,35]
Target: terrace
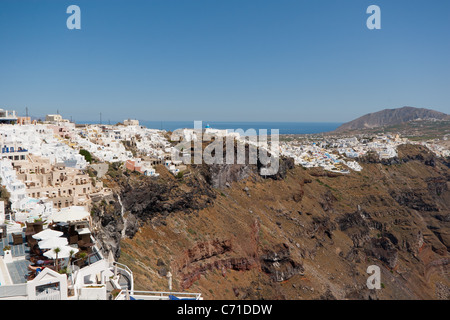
[25,249]
[18,267]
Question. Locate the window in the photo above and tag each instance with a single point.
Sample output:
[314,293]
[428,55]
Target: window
[48,289]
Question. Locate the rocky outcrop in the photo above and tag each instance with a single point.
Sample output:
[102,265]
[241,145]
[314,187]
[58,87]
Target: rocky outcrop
[383,250]
[151,198]
[187,278]
[278,264]
[108,224]
[208,249]
[356,227]
[285,164]
[321,228]
[406,153]
[208,256]
[221,175]
[437,185]
[414,199]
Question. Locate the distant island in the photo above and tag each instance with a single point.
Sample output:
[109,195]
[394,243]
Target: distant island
[391,117]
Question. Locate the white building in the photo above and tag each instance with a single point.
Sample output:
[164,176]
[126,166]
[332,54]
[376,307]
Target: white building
[7,116]
[131,122]
[55,118]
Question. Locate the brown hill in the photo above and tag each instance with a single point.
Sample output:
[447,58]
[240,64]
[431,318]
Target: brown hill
[389,117]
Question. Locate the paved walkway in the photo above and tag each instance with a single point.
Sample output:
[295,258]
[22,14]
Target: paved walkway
[18,270]
[18,250]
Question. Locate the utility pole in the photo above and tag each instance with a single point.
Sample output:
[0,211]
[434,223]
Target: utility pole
[100,118]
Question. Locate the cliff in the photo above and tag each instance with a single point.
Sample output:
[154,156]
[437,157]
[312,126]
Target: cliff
[229,233]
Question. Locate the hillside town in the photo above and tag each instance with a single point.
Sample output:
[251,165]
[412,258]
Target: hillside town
[45,170]
[48,250]
[46,162]
[340,154]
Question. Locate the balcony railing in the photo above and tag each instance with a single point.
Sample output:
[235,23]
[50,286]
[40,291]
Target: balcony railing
[90,259]
[157,295]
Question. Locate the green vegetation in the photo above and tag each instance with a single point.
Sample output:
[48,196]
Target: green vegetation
[4,196]
[324,184]
[180,175]
[87,155]
[422,138]
[113,169]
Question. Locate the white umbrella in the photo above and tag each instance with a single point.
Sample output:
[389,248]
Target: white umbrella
[47,234]
[62,254]
[52,243]
[73,213]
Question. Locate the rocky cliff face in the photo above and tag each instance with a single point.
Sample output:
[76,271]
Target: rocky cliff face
[304,234]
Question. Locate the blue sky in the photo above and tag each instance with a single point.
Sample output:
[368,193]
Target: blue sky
[223,60]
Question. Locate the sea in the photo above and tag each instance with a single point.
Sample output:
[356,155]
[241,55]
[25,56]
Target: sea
[283,127]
